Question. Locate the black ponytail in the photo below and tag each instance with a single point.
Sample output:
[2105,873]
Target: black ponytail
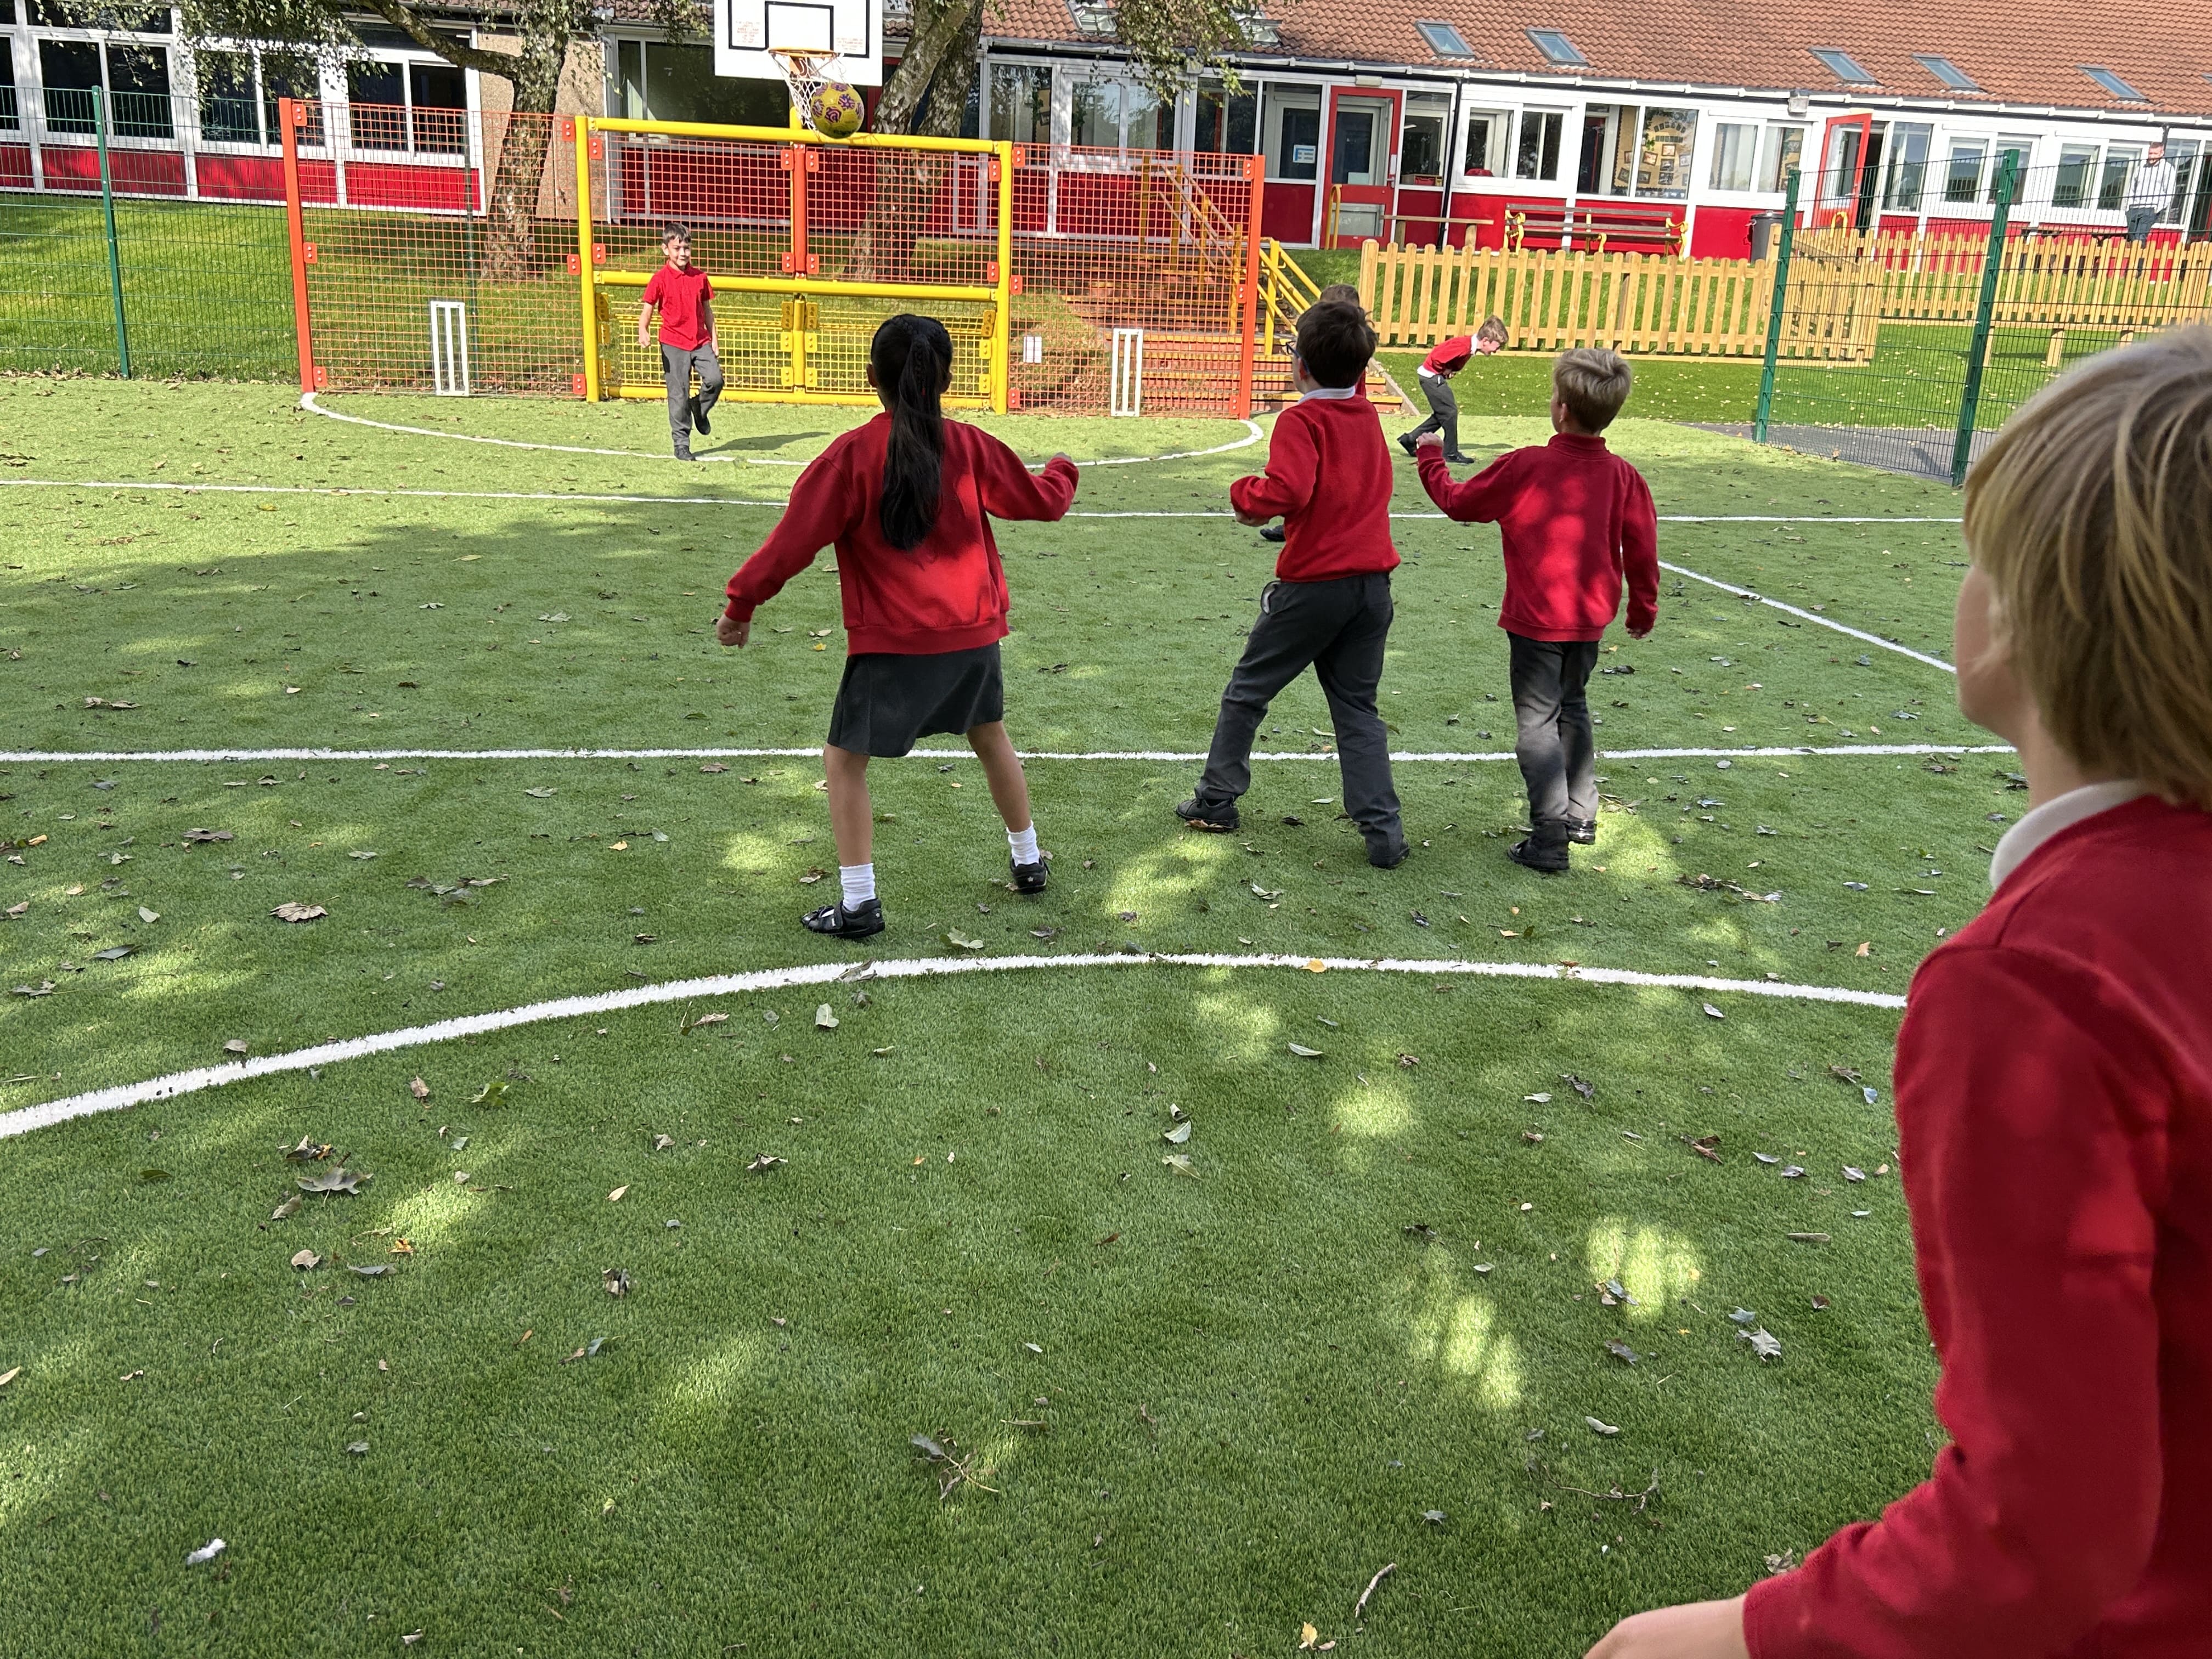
[911,356]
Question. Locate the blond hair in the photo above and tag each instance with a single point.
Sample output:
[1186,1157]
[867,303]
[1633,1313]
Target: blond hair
[2092,516]
[1592,383]
[1493,328]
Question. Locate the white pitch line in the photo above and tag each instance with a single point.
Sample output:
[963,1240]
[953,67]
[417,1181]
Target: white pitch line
[25,1119]
[1253,434]
[1410,756]
[1811,617]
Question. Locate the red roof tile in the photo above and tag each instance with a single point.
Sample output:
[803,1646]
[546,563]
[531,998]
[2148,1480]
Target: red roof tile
[2017,51]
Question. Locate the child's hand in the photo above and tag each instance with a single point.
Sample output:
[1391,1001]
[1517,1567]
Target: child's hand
[1059,455]
[1639,633]
[1247,520]
[730,631]
[1430,441]
[1701,1629]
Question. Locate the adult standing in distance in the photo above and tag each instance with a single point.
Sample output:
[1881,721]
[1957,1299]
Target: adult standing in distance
[2150,192]
[685,299]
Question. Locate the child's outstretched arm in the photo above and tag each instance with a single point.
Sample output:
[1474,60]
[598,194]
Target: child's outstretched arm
[824,503]
[1479,499]
[1639,557]
[1011,490]
[1293,474]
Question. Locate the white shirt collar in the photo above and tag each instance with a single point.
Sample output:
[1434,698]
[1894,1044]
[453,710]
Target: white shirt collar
[1331,392]
[2040,823]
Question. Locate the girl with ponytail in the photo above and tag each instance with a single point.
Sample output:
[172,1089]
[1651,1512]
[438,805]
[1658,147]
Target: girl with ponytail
[906,500]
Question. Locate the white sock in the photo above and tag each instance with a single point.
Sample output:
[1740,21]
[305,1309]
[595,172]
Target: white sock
[1022,844]
[859,881]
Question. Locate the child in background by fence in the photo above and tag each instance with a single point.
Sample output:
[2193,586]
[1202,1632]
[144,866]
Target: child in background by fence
[2054,1085]
[907,500]
[1328,477]
[1576,519]
[1444,360]
[685,299]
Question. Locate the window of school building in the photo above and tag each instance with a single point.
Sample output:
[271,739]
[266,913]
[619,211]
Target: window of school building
[1226,123]
[1293,129]
[1536,149]
[237,98]
[1628,150]
[1021,103]
[1119,115]
[1421,145]
[654,80]
[1482,155]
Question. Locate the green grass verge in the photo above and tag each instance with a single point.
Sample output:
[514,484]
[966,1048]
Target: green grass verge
[1255,1381]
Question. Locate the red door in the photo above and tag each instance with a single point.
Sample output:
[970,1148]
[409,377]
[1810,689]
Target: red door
[1363,162]
[1844,145]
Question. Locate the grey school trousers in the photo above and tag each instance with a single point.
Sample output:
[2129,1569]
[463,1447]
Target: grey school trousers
[1443,411]
[1554,743]
[677,365]
[1338,629]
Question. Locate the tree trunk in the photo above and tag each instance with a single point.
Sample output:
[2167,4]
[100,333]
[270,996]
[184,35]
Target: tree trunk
[940,62]
[937,29]
[954,81]
[510,252]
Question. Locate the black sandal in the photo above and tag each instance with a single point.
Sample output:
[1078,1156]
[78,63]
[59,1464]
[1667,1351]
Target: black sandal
[842,920]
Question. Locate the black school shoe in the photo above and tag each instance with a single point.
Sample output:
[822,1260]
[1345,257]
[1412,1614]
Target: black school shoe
[684,453]
[1216,818]
[699,420]
[1583,831]
[1456,460]
[842,920]
[1029,877]
[1386,852]
[1549,860]
[1274,533]
[1406,442]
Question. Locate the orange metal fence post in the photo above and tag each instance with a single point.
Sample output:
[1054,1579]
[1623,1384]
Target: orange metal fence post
[289,117]
[1255,171]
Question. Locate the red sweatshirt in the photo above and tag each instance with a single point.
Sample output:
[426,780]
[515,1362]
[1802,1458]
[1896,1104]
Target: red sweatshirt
[1450,356]
[947,594]
[1328,477]
[1576,519]
[2054,1101]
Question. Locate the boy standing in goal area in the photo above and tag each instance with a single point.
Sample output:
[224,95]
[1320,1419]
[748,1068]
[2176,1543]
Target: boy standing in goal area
[1328,609]
[679,290]
[1445,360]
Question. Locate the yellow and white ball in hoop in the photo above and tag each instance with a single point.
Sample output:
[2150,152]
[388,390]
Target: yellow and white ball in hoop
[837,110]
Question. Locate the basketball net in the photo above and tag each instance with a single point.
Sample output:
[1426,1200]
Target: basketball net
[805,73]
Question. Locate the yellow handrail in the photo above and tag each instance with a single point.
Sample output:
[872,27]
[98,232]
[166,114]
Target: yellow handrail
[1286,289]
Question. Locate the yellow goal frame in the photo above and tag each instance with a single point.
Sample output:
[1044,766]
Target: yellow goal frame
[801,292]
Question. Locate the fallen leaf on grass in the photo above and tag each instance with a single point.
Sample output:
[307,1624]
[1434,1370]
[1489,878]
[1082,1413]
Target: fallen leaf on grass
[149,917]
[1304,1052]
[1715,1012]
[45,987]
[307,1259]
[540,793]
[152,1177]
[1608,1429]
[8,1376]
[194,837]
[1764,1343]
[766,1161]
[959,943]
[1621,1351]
[419,1089]
[336,1179]
[206,1553]
[615,1197]
[824,1019]
[1178,1135]
[615,1281]
[288,1209]
[374,1270]
[114,953]
[1180,1163]
[291,911]
[492,1094]
[1810,1238]
[235,1046]
[357,1449]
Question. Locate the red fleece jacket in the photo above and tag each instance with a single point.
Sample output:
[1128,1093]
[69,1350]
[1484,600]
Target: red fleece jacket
[1328,479]
[1577,519]
[2054,1104]
[947,594]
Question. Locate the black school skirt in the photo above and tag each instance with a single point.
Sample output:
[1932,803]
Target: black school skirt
[889,700]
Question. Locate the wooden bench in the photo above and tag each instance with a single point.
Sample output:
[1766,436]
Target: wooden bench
[1624,230]
[1399,219]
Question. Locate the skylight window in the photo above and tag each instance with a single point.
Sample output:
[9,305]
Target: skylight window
[2113,83]
[1558,49]
[1946,72]
[1444,41]
[1844,67]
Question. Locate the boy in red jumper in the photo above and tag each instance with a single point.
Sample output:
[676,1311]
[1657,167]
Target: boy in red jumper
[1329,608]
[2054,1086]
[681,292]
[1576,520]
[1445,360]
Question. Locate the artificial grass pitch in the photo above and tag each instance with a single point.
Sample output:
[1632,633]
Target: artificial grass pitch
[1250,1384]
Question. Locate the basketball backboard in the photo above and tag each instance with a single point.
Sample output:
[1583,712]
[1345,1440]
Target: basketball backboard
[747,31]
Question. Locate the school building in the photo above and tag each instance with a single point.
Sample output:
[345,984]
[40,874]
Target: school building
[1537,123]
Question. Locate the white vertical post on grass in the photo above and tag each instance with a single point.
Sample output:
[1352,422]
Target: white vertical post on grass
[1127,394]
[449,347]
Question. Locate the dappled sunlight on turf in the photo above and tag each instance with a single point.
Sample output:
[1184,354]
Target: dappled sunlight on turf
[1461,1333]
[1243,1030]
[1173,870]
[702,1392]
[1373,1109]
[1656,1265]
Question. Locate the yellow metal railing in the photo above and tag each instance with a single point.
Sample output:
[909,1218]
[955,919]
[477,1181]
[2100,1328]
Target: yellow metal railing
[1285,292]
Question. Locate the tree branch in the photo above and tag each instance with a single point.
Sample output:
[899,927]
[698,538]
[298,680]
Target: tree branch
[403,18]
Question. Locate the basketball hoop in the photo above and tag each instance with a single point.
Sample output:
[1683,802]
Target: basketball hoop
[805,72]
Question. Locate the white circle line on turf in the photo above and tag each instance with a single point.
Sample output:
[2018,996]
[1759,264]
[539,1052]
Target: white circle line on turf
[1253,434]
[1410,756]
[1811,617]
[195,488]
[117,1098]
